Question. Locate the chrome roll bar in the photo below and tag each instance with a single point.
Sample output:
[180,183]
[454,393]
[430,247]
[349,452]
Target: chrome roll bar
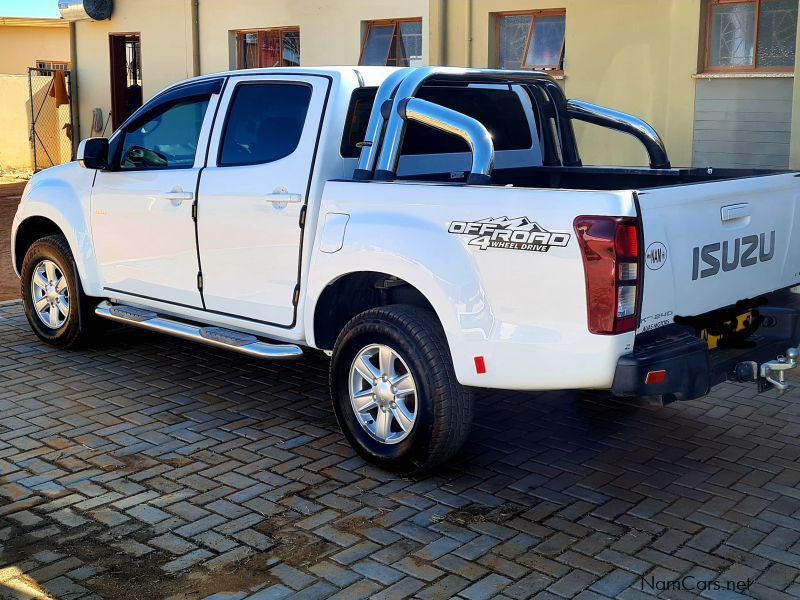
[374,135]
[453,122]
[619,121]
[380,152]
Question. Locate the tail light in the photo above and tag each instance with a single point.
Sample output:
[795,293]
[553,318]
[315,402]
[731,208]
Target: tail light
[611,260]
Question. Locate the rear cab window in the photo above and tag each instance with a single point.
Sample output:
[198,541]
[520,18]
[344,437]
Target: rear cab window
[500,109]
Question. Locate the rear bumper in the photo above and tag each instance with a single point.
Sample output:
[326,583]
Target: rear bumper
[691,369]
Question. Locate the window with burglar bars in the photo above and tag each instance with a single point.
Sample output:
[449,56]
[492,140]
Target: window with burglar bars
[531,40]
[751,35]
[279,47]
[52,65]
[393,43]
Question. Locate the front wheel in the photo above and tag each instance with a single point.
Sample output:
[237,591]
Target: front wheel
[395,392]
[56,308]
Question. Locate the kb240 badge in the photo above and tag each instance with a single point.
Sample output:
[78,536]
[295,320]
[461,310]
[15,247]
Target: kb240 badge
[510,234]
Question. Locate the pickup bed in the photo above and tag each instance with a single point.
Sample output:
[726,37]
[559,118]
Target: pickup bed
[431,229]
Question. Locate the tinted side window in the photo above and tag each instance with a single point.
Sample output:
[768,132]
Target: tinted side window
[165,138]
[265,123]
[499,110]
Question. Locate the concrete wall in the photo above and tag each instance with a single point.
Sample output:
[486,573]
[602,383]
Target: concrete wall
[15,120]
[330,34]
[638,57]
[21,47]
[15,150]
[330,30]
[743,123]
[166,33]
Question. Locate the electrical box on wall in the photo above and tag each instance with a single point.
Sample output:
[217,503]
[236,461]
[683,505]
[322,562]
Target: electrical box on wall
[83,10]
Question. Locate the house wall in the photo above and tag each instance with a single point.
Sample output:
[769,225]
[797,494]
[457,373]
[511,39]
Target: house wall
[638,57]
[330,30]
[166,34]
[15,149]
[21,47]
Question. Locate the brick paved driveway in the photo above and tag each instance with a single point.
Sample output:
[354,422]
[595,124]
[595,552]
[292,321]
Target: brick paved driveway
[152,468]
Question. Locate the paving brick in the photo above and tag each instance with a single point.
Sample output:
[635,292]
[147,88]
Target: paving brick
[488,587]
[201,525]
[187,560]
[148,514]
[571,584]
[377,571]
[335,574]
[192,459]
[172,543]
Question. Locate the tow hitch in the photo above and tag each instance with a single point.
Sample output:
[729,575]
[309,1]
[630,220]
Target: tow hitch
[769,374]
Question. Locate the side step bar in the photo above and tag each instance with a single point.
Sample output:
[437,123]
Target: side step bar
[235,341]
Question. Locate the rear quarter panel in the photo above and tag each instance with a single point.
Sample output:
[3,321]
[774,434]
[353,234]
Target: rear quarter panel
[522,309]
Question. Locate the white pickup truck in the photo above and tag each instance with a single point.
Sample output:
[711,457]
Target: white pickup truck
[432,229]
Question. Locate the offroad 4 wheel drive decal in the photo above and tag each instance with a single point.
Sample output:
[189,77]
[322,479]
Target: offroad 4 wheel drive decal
[510,234]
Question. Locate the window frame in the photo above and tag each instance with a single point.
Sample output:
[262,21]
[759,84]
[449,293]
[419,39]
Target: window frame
[53,65]
[533,14]
[754,68]
[229,113]
[184,91]
[396,37]
[241,33]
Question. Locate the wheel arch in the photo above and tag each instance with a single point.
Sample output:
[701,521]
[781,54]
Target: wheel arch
[40,217]
[32,229]
[353,293]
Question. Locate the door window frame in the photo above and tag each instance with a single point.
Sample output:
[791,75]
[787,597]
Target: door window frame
[212,88]
[229,113]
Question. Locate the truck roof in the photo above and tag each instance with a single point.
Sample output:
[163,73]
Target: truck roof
[372,76]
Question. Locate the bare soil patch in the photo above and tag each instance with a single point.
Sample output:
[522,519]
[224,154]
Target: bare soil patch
[10,191]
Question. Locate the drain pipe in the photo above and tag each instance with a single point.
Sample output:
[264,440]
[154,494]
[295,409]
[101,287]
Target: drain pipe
[195,16]
[73,88]
[468,34]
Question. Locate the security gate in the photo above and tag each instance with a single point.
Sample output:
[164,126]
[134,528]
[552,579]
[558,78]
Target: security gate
[51,117]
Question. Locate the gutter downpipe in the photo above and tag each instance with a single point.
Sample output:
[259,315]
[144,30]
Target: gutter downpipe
[195,16]
[73,85]
[468,34]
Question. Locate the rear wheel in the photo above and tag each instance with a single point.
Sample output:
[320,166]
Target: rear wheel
[394,389]
[56,308]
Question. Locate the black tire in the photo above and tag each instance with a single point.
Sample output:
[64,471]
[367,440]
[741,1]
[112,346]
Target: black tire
[81,323]
[444,407]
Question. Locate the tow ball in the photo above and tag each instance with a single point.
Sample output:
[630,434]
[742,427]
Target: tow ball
[770,373]
[774,371]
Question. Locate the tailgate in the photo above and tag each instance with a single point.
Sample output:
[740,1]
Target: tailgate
[709,245]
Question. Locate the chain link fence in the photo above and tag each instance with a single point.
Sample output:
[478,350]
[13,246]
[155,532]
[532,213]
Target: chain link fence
[51,117]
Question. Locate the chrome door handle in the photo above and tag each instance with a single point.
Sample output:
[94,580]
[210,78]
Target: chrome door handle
[284,197]
[178,197]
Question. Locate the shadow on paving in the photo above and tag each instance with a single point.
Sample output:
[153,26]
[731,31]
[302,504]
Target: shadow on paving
[149,467]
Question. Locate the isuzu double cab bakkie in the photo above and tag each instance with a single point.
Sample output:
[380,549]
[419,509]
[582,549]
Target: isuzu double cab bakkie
[432,229]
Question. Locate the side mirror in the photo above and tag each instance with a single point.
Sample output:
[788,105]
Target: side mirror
[93,153]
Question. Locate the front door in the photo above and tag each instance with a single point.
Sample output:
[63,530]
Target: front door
[142,222]
[252,193]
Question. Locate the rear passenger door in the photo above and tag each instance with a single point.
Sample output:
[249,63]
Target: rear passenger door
[252,193]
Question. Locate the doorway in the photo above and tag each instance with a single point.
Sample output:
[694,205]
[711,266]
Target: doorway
[126,76]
